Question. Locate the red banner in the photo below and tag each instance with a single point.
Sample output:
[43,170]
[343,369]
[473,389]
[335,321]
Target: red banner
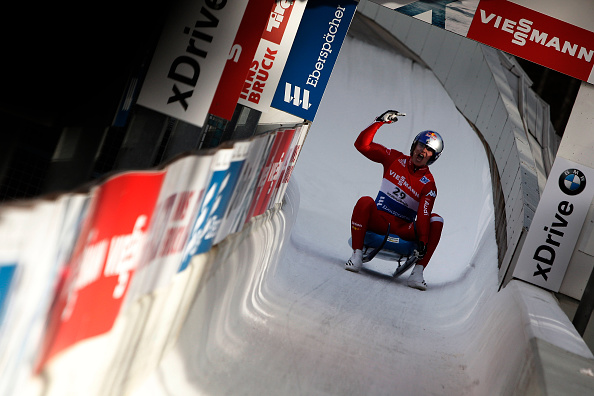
[277,23]
[534,36]
[270,174]
[255,20]
[103,262]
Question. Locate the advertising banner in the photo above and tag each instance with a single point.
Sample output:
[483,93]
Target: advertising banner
[271,56]
[275,196]
[537,37]
[295,150]
[323,27]
[240,153]
[255,19]
[36,239]
[556,225]
[181,193]
[16,221]
[103,261]
[553,34]
[206,219]
[263,174]
[238,207]
[7,271]
[453,15]
[13,236]
[271,172]
[189,59]
[278,169]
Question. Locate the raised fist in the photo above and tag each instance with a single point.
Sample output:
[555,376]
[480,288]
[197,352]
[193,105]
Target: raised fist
[389,116]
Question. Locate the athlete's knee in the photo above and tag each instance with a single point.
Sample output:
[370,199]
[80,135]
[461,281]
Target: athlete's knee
[365,204]
[367,200]
[435,228]
[435,217]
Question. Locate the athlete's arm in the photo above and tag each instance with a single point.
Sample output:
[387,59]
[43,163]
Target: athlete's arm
[365,145]
[424,212]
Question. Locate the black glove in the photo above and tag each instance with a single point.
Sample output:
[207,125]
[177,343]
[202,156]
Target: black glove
[421,250]
[389,116]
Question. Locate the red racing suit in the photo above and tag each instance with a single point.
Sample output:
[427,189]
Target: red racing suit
[406,194]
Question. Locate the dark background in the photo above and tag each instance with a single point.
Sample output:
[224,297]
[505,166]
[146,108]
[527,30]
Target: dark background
[66,64]
[69,64]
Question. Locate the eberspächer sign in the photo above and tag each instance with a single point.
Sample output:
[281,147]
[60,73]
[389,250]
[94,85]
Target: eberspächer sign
[323,28]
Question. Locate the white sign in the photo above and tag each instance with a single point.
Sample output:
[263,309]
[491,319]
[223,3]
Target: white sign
[556,225]
[190,57]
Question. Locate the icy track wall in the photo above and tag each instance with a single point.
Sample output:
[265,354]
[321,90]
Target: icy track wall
[95,285]
[490,89]
[494,95]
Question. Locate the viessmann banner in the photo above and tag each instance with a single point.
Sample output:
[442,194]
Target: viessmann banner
[323,28]
[553,34]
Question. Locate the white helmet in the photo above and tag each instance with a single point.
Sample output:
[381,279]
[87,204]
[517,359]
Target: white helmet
[432,140]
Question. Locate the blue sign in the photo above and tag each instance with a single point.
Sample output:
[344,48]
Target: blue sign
[201,236]
[322,30]
[436,7]
[212,210]
[6,277]
[226,193]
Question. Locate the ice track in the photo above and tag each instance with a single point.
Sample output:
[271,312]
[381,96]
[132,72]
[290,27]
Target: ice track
[282,316]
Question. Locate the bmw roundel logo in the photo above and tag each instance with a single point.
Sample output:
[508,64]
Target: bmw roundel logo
[572,181]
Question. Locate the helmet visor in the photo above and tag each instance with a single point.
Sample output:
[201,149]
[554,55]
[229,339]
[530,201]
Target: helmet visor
[423,145]
[432,140]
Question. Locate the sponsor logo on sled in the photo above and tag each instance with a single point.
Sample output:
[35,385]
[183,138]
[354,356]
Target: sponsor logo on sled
[556,226]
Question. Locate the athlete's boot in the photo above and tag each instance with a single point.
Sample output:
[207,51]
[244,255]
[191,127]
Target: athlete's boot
[355,262]
[415,280]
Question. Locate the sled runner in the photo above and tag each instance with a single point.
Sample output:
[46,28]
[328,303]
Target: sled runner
[389,247]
